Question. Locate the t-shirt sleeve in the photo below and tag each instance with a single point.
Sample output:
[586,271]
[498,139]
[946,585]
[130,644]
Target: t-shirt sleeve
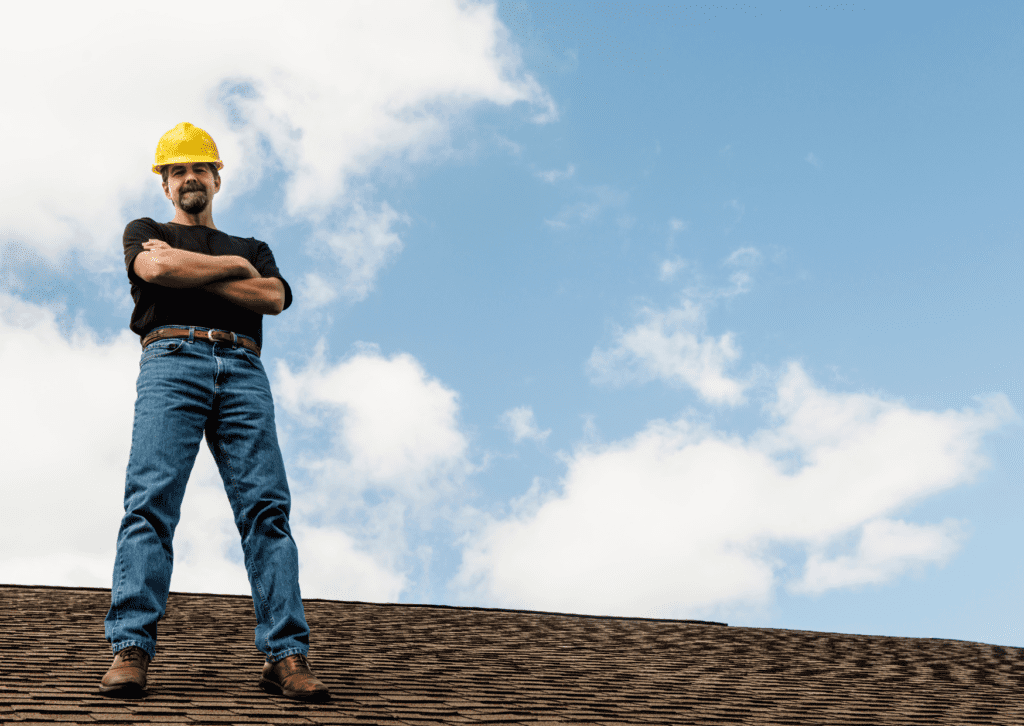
[135,234]
[267,267]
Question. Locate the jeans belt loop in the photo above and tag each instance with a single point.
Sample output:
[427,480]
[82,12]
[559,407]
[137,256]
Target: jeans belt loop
[191,333]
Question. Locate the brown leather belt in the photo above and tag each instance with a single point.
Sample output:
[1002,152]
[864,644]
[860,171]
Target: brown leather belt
[212,336]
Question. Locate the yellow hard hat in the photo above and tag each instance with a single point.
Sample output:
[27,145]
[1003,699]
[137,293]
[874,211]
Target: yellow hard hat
[186,144]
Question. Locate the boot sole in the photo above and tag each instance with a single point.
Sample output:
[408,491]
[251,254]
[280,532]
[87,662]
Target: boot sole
[124,690]
[276,690]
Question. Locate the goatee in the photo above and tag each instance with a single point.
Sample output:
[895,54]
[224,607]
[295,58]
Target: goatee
[194,201]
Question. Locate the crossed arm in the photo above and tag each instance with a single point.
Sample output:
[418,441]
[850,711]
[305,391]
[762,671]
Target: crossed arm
[230,276]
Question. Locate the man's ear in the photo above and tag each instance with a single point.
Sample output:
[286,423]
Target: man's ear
[167,190]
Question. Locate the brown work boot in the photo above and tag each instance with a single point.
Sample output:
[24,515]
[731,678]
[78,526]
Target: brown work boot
[127,674]
[292,678]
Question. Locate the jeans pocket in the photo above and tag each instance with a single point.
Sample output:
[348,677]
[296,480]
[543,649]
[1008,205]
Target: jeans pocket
[160,348]
[252,358]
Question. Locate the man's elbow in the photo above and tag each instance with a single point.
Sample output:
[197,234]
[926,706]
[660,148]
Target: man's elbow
[147,267]
[277,297]
[273,304]
[158,269]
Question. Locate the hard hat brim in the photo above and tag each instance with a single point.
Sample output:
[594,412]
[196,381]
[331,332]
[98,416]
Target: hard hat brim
[157,168]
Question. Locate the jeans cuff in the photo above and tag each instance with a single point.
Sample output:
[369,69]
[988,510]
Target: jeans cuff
[148,647]
[285,653]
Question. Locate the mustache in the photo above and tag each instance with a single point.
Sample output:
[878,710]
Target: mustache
[193,187]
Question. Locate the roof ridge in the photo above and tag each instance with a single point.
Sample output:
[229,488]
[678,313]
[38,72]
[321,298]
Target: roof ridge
[408,605]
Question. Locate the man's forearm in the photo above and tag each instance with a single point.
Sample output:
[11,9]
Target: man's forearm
[182,269]
[264,295]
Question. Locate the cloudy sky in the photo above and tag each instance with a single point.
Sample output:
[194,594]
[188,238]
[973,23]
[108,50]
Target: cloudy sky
[684,311]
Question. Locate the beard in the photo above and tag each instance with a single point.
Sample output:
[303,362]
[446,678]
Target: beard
[193,201]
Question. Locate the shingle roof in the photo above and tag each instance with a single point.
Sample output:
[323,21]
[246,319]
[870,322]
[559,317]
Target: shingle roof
[409,664]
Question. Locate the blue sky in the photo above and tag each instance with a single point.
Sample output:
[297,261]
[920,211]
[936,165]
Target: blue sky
[639,309]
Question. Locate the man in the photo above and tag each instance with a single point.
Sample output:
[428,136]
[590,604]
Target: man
[200,296]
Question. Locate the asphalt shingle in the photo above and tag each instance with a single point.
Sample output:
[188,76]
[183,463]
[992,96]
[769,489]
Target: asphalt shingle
[424,665]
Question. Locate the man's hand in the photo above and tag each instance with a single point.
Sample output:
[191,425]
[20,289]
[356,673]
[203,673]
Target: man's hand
[264,296]
[155,244]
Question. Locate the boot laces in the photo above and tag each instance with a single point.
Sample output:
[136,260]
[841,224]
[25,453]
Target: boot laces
[130,654]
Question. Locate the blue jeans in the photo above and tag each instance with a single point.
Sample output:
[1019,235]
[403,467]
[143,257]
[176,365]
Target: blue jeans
[187,388]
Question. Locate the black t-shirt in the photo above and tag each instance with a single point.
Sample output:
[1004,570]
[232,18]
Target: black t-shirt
[157,305]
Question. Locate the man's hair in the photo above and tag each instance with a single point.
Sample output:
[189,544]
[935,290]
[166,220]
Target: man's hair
[165,170]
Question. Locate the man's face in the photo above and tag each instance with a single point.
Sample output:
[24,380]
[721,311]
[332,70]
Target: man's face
[191,186]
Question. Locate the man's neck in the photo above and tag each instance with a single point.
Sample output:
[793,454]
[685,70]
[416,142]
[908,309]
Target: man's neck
[203,219]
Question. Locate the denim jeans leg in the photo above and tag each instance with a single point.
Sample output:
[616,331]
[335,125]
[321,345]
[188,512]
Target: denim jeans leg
[242,436]
[171,410]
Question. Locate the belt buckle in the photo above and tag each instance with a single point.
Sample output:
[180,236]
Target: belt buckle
[224,333]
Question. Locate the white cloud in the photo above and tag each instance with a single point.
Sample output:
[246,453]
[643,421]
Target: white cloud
[744,256]
[678,225]
[377,447]
[556,175]
[681,520]
[207,548]
[315,291]
[359,247]
[66,428]
[333,566]
[671,345]
[387,423]
[886,549]
[68,569]
[324,93]
[740,283]
[521,423]
[600,198]
[574,214]
[812,159]
[670,267]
